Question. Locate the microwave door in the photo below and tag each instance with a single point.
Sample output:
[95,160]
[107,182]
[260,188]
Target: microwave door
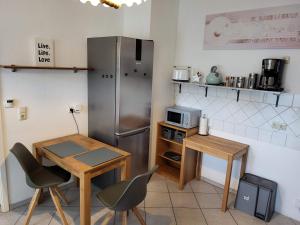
[175,118]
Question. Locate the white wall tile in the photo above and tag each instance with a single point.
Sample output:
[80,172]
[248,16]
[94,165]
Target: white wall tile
[245,95]
[240,130]
[250,109]
[216,124]
[296,102]
[257,96]
[222,92]
[252,133]
[269,98]
[295,126]
[286,100]
[251,117]
[289,116]
[228,127]
[278,138]
[265,135]
[293,142]
[257,120]
[268,112]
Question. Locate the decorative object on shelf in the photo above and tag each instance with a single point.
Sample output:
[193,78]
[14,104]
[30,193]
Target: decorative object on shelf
[214,78]
[266,28]
[44,52]
[172,155]
[203,125]
[252,81]
[197,78]
[14,68]
[114,3]
[240,82]
[181,73]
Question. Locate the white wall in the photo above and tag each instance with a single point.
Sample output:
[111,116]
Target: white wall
[163,32]
[46,93]
[234,62]
[271,160]
[136,21]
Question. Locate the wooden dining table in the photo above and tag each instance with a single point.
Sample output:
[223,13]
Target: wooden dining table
[83,171]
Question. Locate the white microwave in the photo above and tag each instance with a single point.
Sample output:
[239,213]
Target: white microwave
[182,116]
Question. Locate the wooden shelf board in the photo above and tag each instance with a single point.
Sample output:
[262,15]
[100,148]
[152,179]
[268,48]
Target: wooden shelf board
[17,67]
[164,124]
[171,141]
[225,87]
[174,161]
[169,172]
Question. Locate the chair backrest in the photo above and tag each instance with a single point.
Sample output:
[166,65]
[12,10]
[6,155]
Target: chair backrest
[25,158]
[135,192]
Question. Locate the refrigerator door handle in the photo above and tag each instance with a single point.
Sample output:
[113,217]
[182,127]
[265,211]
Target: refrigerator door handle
[132,132]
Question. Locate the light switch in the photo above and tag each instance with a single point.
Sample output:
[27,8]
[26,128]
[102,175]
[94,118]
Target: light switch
[22,113]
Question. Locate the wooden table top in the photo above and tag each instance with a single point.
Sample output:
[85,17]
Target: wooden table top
[216,146]
[70,163]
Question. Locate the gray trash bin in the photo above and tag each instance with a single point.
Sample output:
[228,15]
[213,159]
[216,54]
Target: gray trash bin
[256,196]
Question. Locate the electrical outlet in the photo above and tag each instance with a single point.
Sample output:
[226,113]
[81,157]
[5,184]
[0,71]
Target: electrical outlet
[287,59]
[22,113]
[279,126]
[74,108]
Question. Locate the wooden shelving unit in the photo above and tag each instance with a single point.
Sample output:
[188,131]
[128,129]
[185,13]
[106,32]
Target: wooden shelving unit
[14,68]
[169,167]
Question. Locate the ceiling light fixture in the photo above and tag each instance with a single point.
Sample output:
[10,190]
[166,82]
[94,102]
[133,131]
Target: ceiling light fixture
[114,3]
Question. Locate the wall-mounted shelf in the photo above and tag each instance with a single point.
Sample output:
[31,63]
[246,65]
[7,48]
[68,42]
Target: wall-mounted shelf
[14,68]
[238,90]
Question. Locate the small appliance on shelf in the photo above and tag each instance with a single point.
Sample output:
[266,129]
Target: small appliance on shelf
[272,71]
[182,116]
[182,74]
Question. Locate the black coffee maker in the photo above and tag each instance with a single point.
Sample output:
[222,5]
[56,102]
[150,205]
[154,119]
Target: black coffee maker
[272,70]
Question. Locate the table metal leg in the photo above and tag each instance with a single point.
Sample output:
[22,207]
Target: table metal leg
[227,185]
[85,199]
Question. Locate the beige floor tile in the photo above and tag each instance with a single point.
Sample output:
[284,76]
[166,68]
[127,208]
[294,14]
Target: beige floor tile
[219,190]
[155,199]
[12,217]
[217,217]
[160,216]
[202,187]
[186,216]
[72,215]
[184,200]
[209,201]
[173,187]
[40,217]
[231,200]
[296,222]
[279,219]
[245,219]
[157,186]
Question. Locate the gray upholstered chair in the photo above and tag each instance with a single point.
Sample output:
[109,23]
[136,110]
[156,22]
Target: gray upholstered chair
[124,196]
[39,177]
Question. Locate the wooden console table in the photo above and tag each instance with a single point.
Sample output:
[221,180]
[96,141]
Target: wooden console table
[218,147]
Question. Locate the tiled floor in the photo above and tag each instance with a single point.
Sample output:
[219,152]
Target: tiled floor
[198,204]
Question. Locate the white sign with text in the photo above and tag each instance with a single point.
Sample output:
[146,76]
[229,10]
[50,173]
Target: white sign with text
[44,52]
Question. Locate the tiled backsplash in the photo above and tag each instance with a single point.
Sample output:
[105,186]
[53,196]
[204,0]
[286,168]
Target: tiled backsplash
[251,117]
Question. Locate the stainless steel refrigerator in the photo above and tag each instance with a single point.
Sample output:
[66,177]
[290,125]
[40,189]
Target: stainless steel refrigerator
[119,95]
